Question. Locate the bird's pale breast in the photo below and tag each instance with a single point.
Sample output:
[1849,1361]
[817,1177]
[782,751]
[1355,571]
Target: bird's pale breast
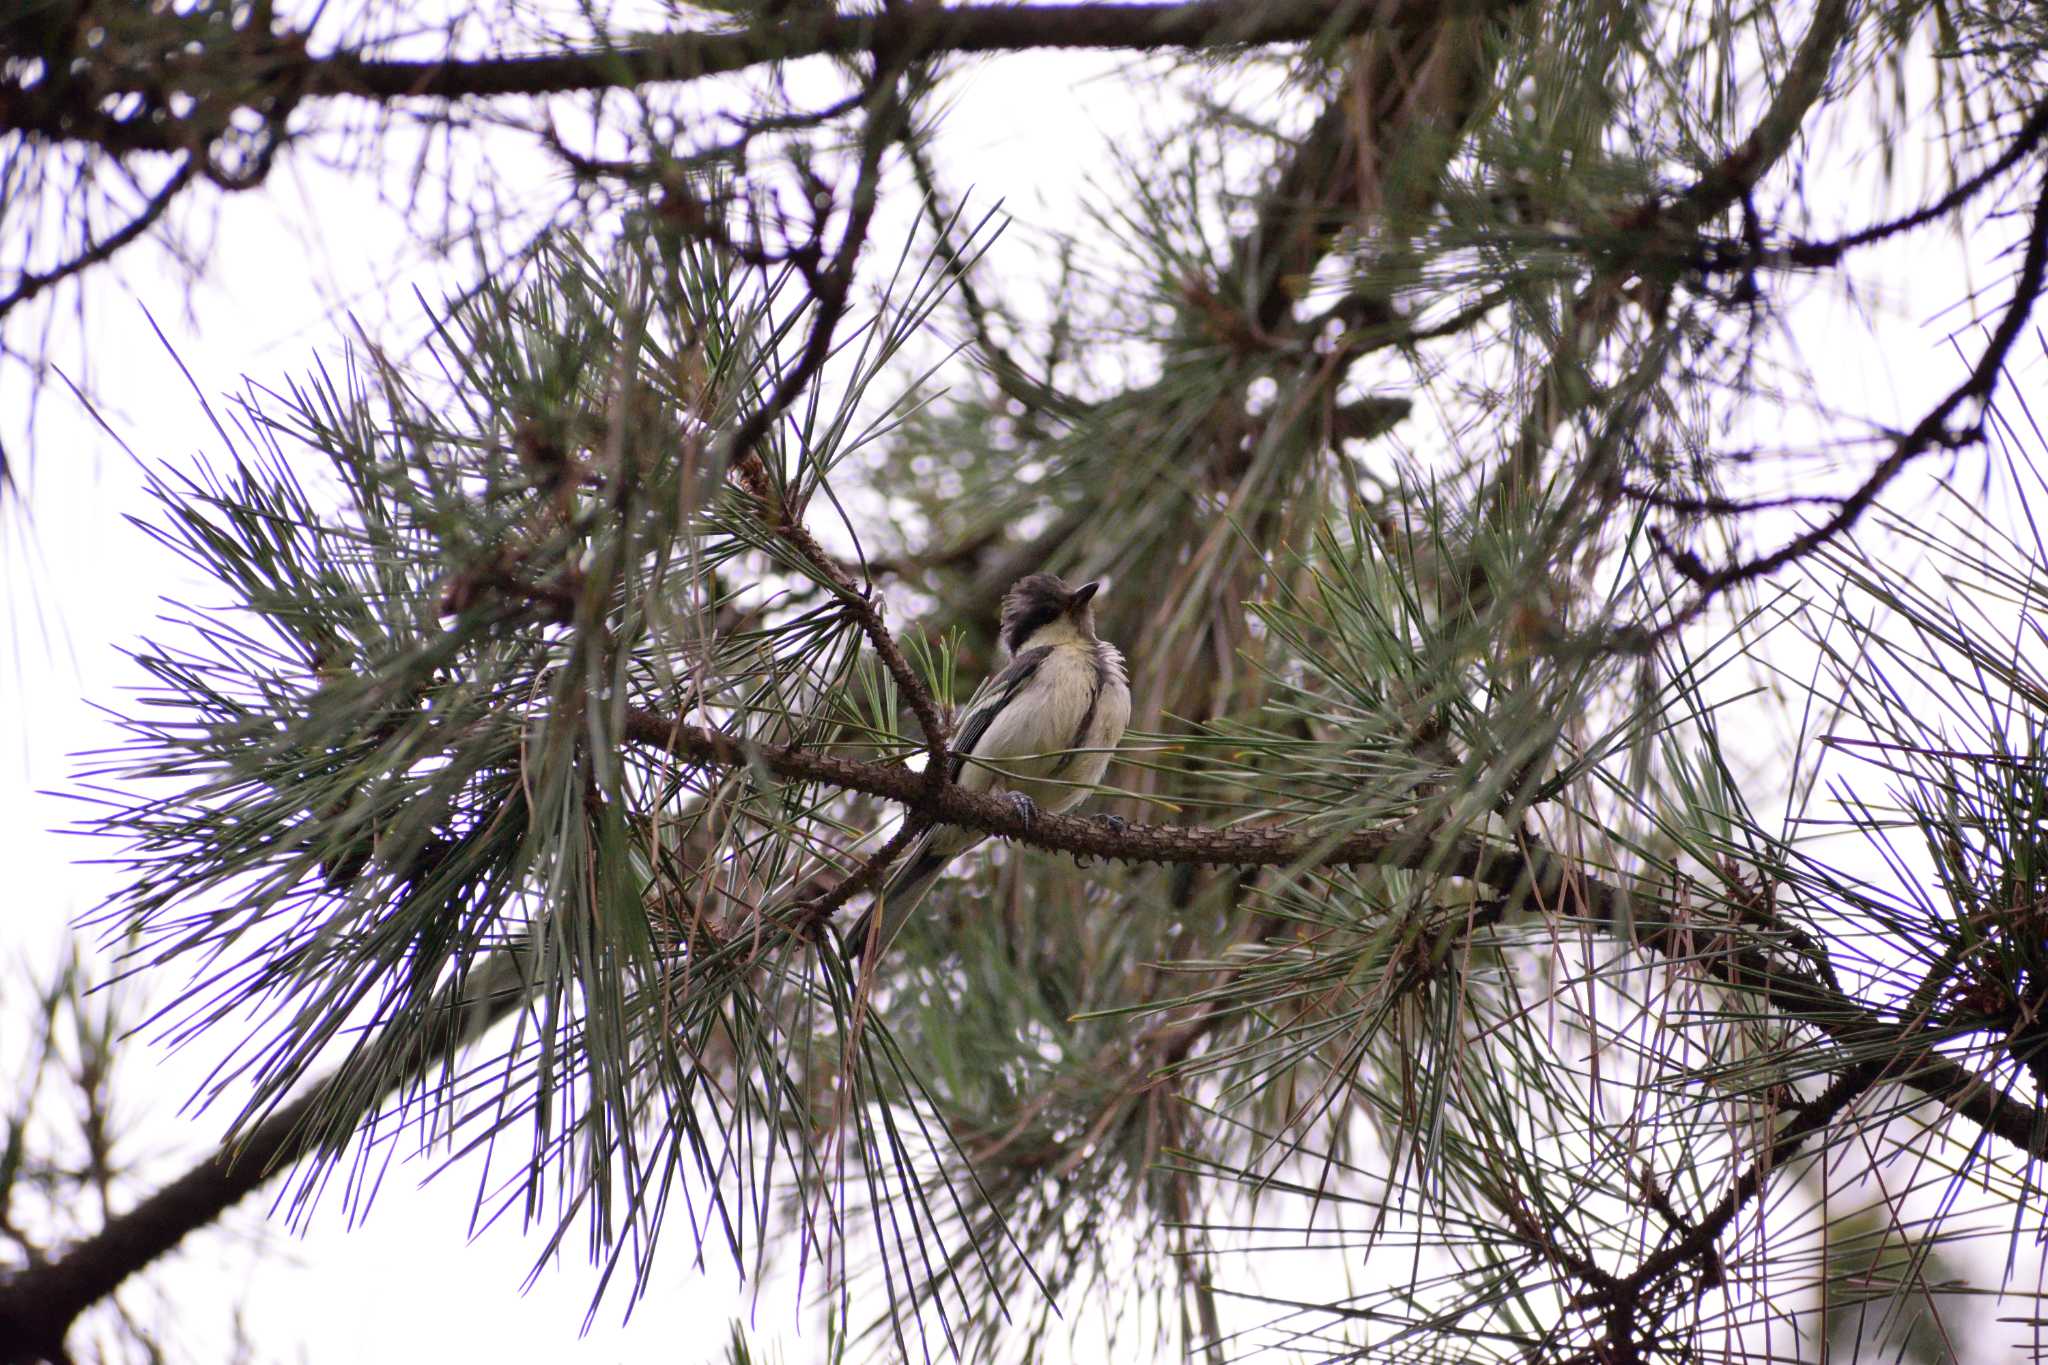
[1033,740]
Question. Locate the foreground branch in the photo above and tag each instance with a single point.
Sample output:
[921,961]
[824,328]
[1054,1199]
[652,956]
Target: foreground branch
[39,1304]
[901,33]
[1233,846]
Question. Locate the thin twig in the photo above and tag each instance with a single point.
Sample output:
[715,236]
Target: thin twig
[831,291]
[1623,1297]
[1011,378]
[865,878]
[1932,432]
[1564,388]
[32,284]
[1809,254]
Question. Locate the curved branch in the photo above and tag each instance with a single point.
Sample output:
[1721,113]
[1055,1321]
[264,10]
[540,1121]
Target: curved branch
[1011,378]
[831,289]
[1827,253]
[93,253]
[1564,389]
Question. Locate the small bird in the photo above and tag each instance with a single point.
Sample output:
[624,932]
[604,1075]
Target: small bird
[1040,731]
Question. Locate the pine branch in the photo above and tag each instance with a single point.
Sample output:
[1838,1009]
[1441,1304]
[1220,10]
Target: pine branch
[1242,846]
[1626,1301]
[91,252]
[1972,398]
[1532,877]
[1652,228]
[38,1305]
[898,34]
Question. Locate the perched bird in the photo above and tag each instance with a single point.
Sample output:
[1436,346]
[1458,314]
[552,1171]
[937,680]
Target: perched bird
[1040,732]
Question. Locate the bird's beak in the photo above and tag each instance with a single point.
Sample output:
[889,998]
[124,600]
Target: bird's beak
[1081,596]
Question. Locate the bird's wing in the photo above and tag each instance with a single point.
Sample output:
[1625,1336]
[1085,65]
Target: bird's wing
[926,859]
[988,702]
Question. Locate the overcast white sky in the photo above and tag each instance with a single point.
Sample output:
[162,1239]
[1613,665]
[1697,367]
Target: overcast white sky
[80,580]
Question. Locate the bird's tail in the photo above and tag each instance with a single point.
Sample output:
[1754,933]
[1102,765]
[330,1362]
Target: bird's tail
[912,880]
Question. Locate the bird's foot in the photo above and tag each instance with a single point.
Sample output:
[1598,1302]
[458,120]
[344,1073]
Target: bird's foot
[1115,824]
[1026,808]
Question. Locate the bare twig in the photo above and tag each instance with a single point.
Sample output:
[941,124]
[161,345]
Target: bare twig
[1720,506]
[1810,254]
[1011,378]
[1932,432]
[865,879]
[1625,1299]
[93,253]
[1654,228]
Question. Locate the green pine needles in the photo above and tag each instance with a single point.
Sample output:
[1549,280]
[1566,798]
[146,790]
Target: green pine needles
[1579,889]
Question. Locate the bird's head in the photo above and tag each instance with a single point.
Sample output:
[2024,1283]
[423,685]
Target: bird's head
[1042,609]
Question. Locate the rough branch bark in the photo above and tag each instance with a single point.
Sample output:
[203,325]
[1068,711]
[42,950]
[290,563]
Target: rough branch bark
[920,30]
[900,34]
[39,1304]
[1235,846]
[1537,877]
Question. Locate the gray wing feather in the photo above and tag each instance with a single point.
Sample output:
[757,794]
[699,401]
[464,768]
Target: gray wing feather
[926,859]
[988,702]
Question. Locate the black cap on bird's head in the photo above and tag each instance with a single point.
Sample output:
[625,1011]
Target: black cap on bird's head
[1041,599]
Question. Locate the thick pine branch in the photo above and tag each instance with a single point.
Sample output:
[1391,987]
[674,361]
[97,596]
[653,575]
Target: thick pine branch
[39,1304]
[1531,876]
[900,34]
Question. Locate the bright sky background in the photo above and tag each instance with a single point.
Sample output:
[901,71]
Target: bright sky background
[81,580]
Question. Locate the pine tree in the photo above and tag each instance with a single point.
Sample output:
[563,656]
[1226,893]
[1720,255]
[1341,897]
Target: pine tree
[1582,824]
